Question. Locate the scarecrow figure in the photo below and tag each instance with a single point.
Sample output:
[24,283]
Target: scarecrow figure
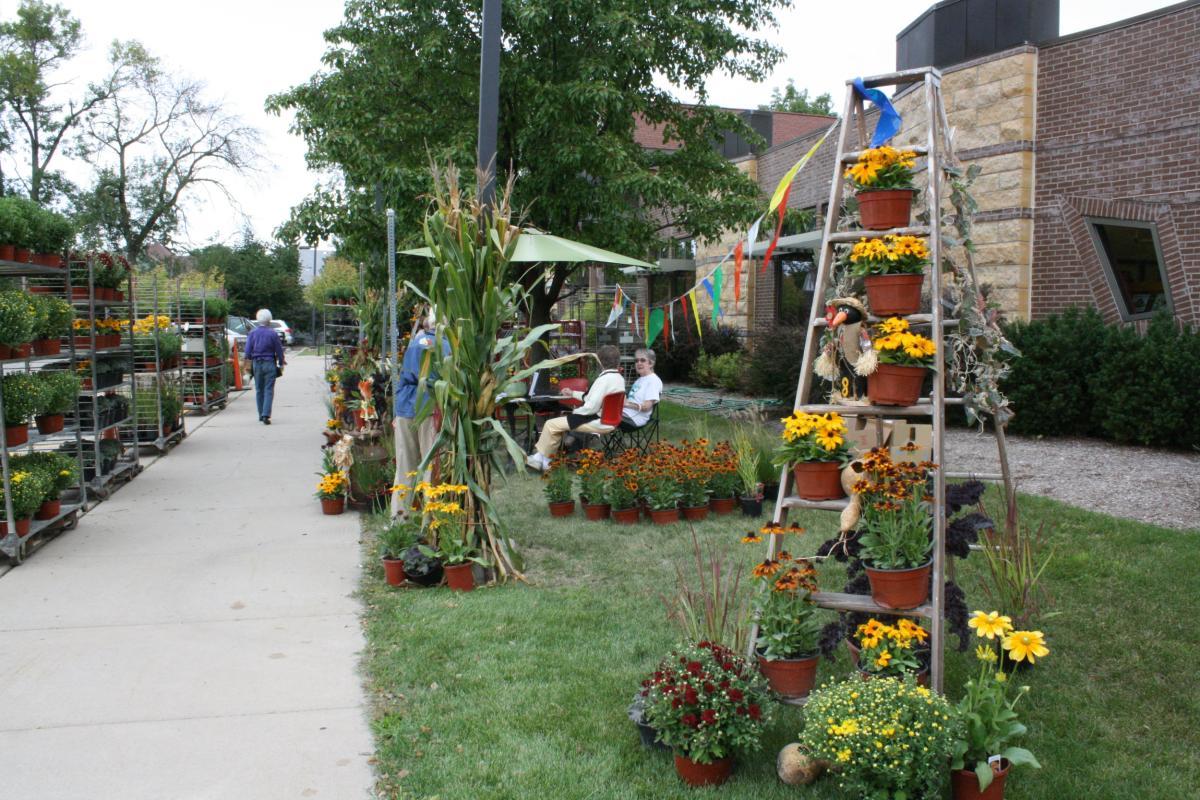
[845,342]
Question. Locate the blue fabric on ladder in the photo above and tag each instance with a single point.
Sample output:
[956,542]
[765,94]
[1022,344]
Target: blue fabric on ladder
[889,120]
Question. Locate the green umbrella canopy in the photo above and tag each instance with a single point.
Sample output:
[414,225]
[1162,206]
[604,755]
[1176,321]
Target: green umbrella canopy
[537,246]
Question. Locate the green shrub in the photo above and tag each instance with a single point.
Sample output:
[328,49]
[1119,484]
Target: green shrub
[48,232]
[56,392]
[773,368]
[22,398]
[215,307]
[723,371]
[676,362]
[14,224]
[18,318]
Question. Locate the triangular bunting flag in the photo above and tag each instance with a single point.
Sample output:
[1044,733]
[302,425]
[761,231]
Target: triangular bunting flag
[718,277]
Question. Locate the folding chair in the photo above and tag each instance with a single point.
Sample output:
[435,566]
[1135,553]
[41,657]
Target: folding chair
[610,419]
[627,435]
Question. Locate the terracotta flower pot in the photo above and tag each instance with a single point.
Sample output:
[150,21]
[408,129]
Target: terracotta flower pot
[47,347]
[22,527]
[393,571]
[895,385]
[8,252]
[751,506]
[664,516]
[722,505]
[22,255]
[563,509]
[626,516]
[597,511]
[694,774]
[49,510]
[335,506]
[49,423]
[965,783]
[790,677]
[25,350]
[695,514]
[900,589]
[894,295]
[16,434]
[460,577]
[885,208]
[818,480]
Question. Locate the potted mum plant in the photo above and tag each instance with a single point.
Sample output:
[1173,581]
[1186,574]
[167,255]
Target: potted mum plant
[593,484]
[892,269]
[884,738]
[788,630]
[394,540]
[28,489]
[815,447]
[983,754]
[891,651]
[898,362]
[882,178]
[706,703]
[896,528]
[53,322]
[22,397]
[56,396]
[558,487]
[59,473]
[331,491]
[17,321]
[723,480]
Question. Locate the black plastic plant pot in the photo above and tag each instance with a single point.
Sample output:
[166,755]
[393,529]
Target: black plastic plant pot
[752,506]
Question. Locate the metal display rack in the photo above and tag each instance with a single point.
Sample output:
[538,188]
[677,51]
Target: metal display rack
[340,329]
[159,375]
[203,386]
[107,412]
[14,543]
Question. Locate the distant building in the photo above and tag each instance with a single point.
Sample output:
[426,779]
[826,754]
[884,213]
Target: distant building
[308,271]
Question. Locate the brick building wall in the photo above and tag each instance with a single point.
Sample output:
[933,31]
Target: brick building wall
[1119,136]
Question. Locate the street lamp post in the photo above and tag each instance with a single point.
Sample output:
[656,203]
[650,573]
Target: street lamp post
[489,99]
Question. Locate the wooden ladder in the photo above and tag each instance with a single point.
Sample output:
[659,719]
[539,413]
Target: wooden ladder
[939,152]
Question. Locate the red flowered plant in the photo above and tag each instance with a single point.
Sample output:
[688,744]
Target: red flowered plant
[706,702]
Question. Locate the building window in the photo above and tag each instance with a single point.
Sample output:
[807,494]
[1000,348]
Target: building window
[1133,265]
[795,275]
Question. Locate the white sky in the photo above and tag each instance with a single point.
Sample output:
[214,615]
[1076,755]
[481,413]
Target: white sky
[245,50]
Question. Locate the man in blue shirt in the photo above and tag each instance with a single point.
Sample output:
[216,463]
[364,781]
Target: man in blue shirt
[264,351]
[413,440]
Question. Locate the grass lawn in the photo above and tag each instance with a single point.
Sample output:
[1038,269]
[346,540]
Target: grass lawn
[520,691]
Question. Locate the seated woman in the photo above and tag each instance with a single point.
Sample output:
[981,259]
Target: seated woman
[645,392]
[585,418]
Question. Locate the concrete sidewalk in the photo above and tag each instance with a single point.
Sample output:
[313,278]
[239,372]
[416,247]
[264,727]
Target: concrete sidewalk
[195,636]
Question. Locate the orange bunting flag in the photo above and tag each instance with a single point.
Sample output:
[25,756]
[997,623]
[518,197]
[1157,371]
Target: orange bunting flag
[737,272]
[778,227]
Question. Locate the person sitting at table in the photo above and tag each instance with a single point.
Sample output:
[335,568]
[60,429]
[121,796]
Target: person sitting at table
[584,419]
[645,392]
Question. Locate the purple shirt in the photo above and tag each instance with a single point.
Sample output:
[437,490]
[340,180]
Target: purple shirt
[263,343]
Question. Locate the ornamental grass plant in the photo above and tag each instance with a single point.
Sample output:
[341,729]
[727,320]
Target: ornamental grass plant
[886,739]
[707,703]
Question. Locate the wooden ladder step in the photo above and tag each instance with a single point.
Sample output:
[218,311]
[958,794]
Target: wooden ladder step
[792,501]
[871,411]
[854,236]
[851,157]
[864,604]
[980,476]
[912,319]
[901,78]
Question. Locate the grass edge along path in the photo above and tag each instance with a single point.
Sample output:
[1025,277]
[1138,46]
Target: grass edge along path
[520,691]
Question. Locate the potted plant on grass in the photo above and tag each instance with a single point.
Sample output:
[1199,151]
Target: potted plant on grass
[622,491]
[896,528]
[706,703]
[594,476]
[892,269]
[421,569]
[815,447]
[896,364]
[331,491]
[394,541]
[892,651]
[883,181]
[788,629]
[56,395]
[723,480]
[690,472]
[982,755]
[884,738]
[458,557]
[748,460]
[661,491]
[558,487]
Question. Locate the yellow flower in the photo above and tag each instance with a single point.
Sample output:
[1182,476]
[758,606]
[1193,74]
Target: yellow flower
[843,755]
[990,625]
[985,654]
[1026,646]
[1001,677]
[829,439]
[884,658]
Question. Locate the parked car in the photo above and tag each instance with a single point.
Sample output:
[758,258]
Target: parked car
[236,331]
[285,331]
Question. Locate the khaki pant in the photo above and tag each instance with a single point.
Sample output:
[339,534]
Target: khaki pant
[554,430]
[413,441]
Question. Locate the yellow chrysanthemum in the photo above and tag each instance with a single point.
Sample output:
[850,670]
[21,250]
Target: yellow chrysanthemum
[1026,646]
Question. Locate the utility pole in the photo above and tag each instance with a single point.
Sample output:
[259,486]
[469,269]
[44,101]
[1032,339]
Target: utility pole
[313,326]
[489,99]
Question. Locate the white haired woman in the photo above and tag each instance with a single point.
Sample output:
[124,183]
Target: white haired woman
[264,352]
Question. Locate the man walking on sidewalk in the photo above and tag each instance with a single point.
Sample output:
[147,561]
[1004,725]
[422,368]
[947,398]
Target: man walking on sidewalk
[264,352]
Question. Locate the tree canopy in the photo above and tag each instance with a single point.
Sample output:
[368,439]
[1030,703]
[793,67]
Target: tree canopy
[789,98]
[400,91]
[257,276]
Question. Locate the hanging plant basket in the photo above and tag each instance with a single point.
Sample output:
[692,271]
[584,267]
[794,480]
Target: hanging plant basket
[895,385]
[899,589]
[818,480]
[885,208]
[894,295]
